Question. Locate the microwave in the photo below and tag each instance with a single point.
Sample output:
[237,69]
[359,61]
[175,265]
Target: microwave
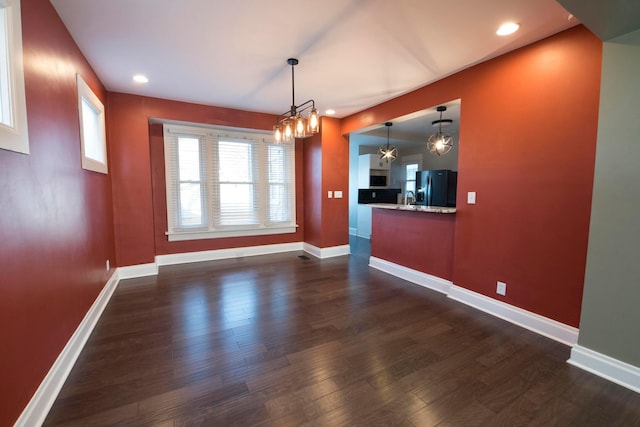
[377,180]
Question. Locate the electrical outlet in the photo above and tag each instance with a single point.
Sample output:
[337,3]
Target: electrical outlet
[108,265]
[338,194]
[501,289]
[330,194]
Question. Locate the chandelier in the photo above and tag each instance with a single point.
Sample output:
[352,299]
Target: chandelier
[293,124]
[388,153]
[440,143]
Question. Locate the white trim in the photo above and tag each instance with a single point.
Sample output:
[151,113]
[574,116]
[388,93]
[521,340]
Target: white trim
[534,322]
[15,137]
[606,367]
[176,236]
[86,94]
[211,221]
[151,269]
[329,252]
[217,254]
[411,275]
[353,231]
[140,270]
[364,235]
[38,407]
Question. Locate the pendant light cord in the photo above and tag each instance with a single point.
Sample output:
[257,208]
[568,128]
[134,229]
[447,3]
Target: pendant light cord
[293,91]
[388,125]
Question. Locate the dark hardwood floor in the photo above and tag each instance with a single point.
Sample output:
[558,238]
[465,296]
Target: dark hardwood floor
[282,340]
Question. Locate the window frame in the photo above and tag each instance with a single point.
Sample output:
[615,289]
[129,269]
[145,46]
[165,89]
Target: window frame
[14,136]
[86,94]
[406,161]
[406,180]
[208,137]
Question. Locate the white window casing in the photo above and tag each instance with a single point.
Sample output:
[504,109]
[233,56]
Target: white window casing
[93,139]
[13,107]
[227,183]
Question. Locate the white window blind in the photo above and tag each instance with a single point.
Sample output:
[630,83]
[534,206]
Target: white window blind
[237,186]
[223,183]
[189,184]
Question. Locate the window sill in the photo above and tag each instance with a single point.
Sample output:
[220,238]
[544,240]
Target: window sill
[198,235]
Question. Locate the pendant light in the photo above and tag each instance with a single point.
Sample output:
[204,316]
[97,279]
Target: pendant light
[293,124]
[440,143]
[389,154]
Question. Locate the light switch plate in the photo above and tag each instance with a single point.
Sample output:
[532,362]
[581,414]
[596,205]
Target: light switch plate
[471,197]
[337,194]
[330,194]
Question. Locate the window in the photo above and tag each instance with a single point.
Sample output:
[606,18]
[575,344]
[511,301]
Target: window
[6,110]
[13,108]
[410,177]
[93,140]
[224,183]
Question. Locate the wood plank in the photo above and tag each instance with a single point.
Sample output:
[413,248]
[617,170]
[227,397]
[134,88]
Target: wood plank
[276,340]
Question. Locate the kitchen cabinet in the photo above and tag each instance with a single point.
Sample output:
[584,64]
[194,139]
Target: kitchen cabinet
[374,162]
[373,172]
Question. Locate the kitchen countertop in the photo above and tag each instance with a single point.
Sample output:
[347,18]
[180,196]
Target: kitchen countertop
[414,208]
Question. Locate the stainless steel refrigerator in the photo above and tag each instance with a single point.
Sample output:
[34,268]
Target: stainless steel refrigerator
[436,188]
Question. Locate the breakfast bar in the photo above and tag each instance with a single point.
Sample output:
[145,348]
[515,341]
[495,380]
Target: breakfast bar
[417,237]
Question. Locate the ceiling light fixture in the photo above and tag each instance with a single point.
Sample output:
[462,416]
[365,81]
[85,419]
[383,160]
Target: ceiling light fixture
[440,143]
[507,28]
[139,78]
[388,153]
[292,124]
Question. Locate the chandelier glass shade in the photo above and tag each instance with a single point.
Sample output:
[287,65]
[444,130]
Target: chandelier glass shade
[388,153]
[440,143]
[301,121]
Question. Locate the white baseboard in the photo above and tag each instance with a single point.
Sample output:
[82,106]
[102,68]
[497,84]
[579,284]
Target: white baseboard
[606,367]
[140,270]
[218,254]
[38,407]
[542,325]
[187,257]
[534,322]
[410,275]
[329,252]
[353,231]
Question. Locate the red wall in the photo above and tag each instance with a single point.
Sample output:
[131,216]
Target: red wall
[418,240]
[312,165]
[326,168]
[140,208]
[56,227]
[527,147]
[335,176]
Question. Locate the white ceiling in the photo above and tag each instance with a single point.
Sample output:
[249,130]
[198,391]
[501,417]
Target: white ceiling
[353,53]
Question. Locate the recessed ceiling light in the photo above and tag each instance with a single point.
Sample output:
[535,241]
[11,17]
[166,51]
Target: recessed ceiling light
[139,78]
[330,112]
[508,28]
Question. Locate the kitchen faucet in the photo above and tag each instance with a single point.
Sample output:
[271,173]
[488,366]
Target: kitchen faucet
[406,197]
